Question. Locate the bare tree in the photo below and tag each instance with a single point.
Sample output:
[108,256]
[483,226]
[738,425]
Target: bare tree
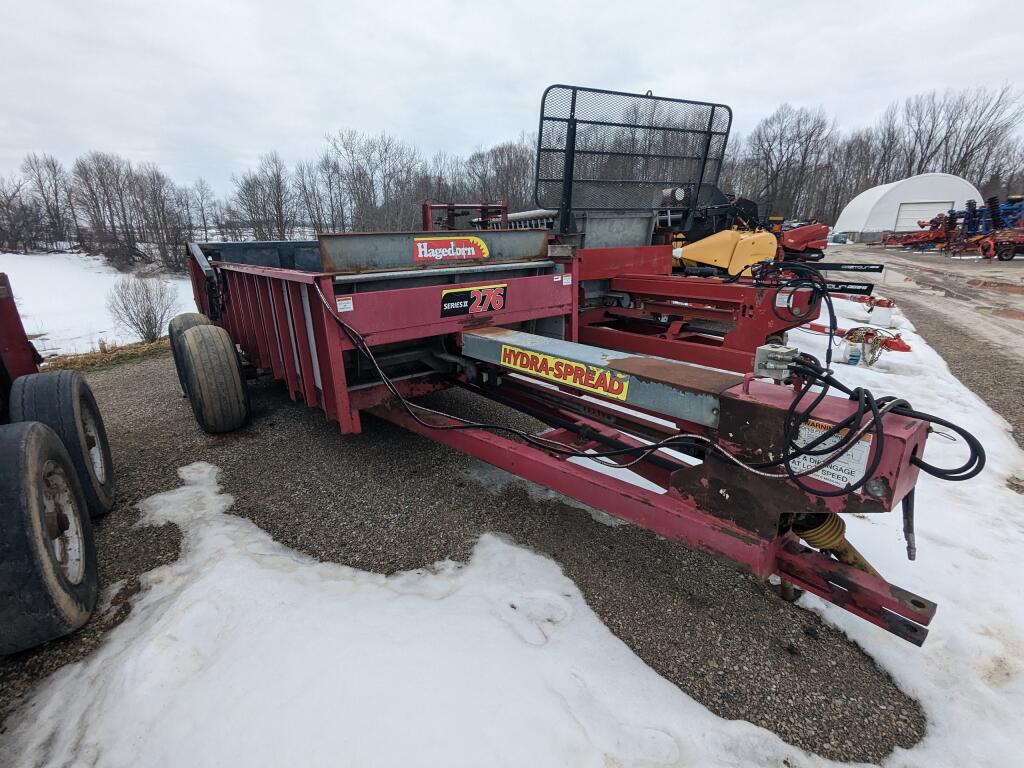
[321,194]
[796,160]
[164,216]
[226,222]
[143,305]
[203,202]
[504,172]
[22,221]
[924,132]
[264,199]
[49,182]
[107,201]
[382,175]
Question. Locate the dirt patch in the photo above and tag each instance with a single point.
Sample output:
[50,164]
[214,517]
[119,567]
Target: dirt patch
[1003,287]
[107,355]
[1010,314]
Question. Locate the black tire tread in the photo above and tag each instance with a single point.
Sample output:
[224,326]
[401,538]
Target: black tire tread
[214,381]
[175,329]
[53,398]
[36,607]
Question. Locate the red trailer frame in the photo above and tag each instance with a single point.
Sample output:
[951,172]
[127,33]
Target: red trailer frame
[292,325]
[744,313]
[17,354]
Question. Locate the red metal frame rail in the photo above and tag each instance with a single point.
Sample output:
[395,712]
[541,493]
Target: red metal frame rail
[700,320]
[288,323]
[17,354]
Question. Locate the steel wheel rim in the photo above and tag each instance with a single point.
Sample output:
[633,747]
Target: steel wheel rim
[63,519]
[93,445]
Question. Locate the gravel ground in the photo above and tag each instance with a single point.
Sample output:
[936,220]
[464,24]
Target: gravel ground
[997,377]
[971,312]
[388,500]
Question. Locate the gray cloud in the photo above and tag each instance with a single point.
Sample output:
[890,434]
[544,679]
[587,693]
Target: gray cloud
[203,88]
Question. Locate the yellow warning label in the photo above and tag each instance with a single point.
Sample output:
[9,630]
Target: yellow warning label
[600,381]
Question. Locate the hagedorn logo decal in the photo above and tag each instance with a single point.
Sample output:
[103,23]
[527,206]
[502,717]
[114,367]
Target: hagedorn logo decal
[461,248]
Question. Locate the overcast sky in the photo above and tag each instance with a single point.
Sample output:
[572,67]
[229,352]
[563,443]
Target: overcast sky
[203,88]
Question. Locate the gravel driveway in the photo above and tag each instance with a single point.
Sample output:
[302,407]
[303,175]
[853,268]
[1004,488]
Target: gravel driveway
[971,311]
[388,500]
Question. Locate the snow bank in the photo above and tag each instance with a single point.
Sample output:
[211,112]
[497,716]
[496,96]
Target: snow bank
[246,653]
[62,299]
[969,675]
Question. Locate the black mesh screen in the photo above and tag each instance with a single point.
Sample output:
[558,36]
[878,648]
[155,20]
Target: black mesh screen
[625,148]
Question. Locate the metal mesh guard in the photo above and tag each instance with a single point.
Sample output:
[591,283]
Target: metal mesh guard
[625,148]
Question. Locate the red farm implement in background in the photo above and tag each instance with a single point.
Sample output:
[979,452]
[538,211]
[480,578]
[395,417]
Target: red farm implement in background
[807,241]
[927,237]
[799,241]
[684,381]
[995,231]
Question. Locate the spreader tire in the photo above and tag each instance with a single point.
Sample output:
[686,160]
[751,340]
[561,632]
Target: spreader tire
[63,401]
[1006,252]
[48,582]
[178,325]
[213,379]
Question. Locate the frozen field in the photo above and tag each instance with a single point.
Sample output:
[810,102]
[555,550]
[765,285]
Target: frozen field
[62,299]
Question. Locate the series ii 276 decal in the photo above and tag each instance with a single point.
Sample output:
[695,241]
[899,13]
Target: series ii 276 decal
[473,301]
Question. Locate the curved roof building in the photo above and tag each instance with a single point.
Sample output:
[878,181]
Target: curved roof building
[898,206]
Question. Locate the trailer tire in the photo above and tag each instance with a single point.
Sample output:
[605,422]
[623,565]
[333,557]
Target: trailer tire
[1006,252]
[48,583]
[178,325]
[213,379]
[63,401]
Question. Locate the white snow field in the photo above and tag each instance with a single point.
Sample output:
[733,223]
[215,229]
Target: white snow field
[62,300]
[246,653]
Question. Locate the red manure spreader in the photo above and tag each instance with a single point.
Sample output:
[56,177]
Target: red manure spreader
[755,451]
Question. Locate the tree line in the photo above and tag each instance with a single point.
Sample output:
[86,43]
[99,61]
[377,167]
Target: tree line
[136,214]
[796,161]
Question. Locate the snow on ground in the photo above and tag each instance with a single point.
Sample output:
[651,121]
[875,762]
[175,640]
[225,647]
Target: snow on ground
[246,653]
[969,675]
[62,300]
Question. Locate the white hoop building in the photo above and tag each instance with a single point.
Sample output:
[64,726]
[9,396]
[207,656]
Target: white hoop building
[898,206]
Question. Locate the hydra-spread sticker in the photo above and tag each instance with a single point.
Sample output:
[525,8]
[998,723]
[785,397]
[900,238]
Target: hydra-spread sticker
[473,301]
[846,469]
[598,380]
[463,248]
